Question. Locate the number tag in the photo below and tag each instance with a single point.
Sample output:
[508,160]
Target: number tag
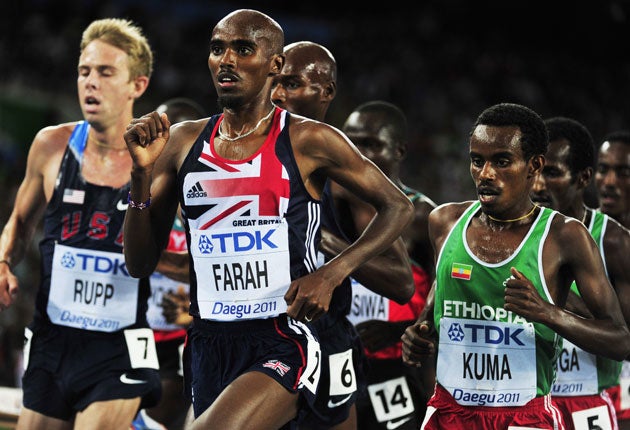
[28,337]
[391,399]
[141,347]
[523,428]
[180,367]
[342,376]
[592,419]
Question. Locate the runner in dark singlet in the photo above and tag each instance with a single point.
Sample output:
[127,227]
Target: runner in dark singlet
[249,182]
[90,356]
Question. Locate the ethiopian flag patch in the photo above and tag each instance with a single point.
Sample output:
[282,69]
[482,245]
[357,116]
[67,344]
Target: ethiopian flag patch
[461,271]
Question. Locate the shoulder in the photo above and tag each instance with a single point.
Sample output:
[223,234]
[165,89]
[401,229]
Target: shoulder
[616,238]
[570,235]
[189,128]
[182,137]
[308,133]
[53,139]
[443,218]
[449,211]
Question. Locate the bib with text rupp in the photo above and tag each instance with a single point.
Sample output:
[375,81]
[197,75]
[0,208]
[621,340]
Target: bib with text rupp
[91,290]
[242,272]
[487,363]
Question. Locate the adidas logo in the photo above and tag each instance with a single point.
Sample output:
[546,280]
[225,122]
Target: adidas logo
[196,191]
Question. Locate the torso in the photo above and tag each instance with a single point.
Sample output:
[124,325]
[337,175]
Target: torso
[262,196]
[81,247]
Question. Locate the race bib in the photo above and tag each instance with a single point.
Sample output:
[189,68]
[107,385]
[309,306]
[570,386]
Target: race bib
[594,418]
[313,370]
[487,363]
[391,399]
[141,347]
[343,379]
[91,290]
[367,305]
[576,372]
[242,272]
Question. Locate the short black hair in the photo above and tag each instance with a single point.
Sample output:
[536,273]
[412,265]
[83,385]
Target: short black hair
[622,136]
[581,144]
[393,116]
[534,137]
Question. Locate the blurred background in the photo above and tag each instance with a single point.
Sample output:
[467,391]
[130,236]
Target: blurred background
[442,62]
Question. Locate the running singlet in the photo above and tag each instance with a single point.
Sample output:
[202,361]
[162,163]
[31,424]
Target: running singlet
[488,356]
[84,282]
[581,373]
[251,226]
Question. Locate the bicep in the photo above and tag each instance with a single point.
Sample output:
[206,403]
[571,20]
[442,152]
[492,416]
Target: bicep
[37,185]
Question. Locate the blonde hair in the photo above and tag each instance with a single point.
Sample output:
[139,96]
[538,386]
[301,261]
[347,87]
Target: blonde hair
[127,36]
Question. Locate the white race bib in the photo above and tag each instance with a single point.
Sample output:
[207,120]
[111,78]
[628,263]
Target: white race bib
[242,272]
[141,347]
[367,305]
[91,290]
[391,399]
[343,380]
[576,372]
[487,363]
[313,370]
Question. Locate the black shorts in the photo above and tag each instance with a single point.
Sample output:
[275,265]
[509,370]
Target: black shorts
[343,372]
[170,358]
[217,353]
[68,369]
[394,397]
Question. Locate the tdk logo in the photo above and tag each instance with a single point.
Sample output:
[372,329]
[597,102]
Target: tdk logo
[236,242]
[196,191]
[205,245]
[68,261]
[490,334]
[455,332]
[95,263]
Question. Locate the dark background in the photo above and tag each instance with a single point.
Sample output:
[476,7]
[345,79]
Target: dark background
[442,62]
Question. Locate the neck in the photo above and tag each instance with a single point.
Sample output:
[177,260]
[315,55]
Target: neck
[228,133]
[520,218]
[579,212]
[104,144]
[109,135]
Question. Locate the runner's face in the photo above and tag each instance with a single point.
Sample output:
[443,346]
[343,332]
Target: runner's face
[559,188]
[501,175]
[297,90]
[374,139]
[612,178]
[104,86]
[239,63]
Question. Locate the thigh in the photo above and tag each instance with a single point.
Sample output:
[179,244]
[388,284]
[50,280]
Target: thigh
[111,414]
[31,420]
[252,401]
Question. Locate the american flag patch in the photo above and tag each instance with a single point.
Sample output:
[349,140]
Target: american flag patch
[278,366]
[73,196]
